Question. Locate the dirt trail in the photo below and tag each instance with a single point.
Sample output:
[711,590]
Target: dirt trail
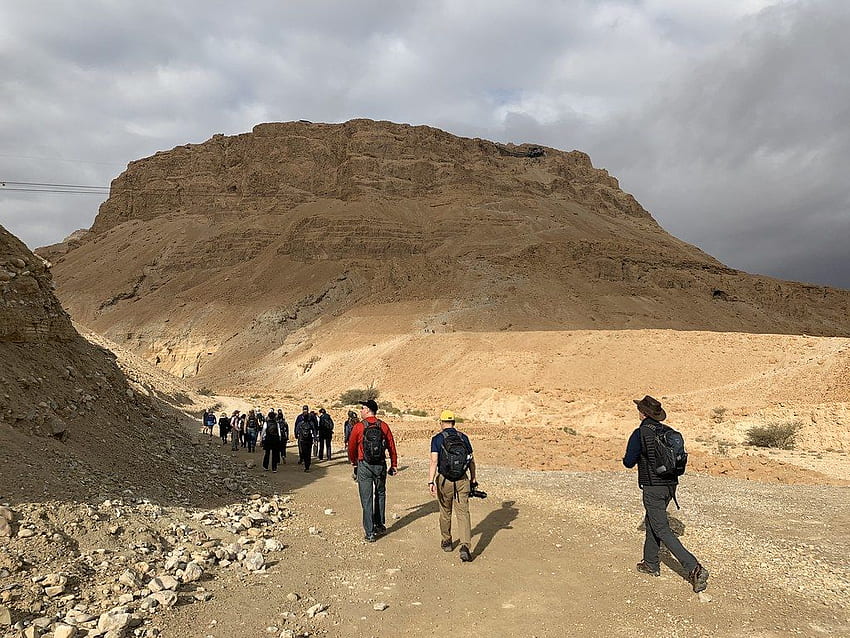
[554,556]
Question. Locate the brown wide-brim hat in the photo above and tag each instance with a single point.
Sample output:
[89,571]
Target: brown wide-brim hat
[651,407]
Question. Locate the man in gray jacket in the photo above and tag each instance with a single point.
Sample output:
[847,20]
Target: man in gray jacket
[658,491]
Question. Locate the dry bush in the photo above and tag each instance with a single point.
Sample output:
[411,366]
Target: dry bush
[776,434]
[355,395]
[717,414]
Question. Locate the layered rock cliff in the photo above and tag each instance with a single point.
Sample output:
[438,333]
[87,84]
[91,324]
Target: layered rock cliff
[211,256]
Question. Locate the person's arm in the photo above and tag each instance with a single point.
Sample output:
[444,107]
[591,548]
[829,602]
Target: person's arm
[391,447]
[472,471]
[432,473]
[354,443]
[633,449]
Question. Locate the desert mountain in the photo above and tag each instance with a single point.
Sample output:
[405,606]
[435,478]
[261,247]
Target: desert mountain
[72,424]
[227,260]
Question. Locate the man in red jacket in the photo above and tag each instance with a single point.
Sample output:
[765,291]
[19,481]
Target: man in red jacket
[369,440]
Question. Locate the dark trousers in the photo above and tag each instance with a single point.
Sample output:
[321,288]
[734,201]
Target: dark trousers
[325,444]
[251,439]
[372,484]
[305,451]
[272,450]
[655,502]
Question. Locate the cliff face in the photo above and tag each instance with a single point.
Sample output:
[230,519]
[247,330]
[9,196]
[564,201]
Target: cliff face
[71,424]
[214,255]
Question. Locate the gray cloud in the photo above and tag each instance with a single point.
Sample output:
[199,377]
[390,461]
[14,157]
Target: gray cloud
[724,117]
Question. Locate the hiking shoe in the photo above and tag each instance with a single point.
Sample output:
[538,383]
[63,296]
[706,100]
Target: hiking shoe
[446,546]
[465,555]
[698,578]
[645,568]
[380,529]
[370,538]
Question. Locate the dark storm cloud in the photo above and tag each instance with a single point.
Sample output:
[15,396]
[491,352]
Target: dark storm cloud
[726,121]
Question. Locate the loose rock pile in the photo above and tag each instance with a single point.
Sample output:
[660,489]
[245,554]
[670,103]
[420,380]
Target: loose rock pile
[108,570]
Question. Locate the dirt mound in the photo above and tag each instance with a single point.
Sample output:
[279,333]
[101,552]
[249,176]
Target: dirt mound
[210,256]
[70,422]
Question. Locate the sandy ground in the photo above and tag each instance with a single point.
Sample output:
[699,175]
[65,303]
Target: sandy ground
[554,555]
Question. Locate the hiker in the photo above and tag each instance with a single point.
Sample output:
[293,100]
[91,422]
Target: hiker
[284,429]
[658,491]
[315,422]
[236,426]
[366,445]
[326,432]
[252,429]
[450,477]
[350,422]
[305,425]
[223,427]
[208,421]
[272,437]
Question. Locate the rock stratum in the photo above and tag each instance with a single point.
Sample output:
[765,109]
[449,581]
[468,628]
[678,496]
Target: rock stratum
[72,424]
[226,260]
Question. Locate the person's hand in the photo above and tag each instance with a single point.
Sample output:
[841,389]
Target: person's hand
[392,471]
[432,487]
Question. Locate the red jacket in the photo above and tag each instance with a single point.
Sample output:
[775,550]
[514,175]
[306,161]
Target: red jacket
[355,441]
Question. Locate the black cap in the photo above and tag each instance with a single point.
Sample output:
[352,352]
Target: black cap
[305,407]
[370,403]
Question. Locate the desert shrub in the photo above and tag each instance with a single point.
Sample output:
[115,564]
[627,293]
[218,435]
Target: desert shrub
[780,435]
[718,413]
[569,430]
[417,413]
[354,395]
[723,447]
[206,392]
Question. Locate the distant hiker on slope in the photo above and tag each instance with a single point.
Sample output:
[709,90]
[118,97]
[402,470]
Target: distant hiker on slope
[366,450]
[305,425]
[208,420]
[661,460]
[326,432]
[451,459]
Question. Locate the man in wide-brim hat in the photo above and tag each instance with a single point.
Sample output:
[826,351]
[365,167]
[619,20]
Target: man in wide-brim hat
[658,491]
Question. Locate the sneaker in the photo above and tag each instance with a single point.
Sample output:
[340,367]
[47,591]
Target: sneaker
[274,471]
[370,538]
[698,578]
[465,556]
[446,546]
[380,529]
[645,568]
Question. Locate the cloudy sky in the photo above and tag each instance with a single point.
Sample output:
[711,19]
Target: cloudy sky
[729,120]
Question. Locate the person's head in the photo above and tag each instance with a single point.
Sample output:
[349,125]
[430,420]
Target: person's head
[649,407]
[352,414]
[368,407]
[279,411]
[447,419]
[305,409]
[321,410]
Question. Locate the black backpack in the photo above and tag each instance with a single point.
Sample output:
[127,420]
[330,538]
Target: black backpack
[305,433]
[454,457]
[374,443]
[670,455]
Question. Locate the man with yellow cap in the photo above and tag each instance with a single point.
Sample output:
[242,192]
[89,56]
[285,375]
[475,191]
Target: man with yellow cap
[451,473]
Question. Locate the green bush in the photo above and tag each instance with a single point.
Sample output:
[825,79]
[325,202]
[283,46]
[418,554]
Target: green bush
[775,434]
[355,395]
[416,412]
[569,430]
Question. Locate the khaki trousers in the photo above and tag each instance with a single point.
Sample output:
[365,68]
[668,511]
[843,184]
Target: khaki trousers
[457,501]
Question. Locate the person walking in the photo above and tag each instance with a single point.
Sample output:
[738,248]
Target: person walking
[658,491]
[284,430]
[223,427]
[252,429]
[369,441]
[235,430]
[451,475]
[209,421]
[272,436]
[305,426]
[326,432]
[350,422]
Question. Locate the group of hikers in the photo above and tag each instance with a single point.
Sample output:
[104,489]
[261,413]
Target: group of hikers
[656,449]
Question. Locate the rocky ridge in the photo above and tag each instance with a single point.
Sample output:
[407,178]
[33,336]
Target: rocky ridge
[211,256]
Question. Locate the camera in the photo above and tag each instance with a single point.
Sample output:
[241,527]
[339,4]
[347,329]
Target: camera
[474,492]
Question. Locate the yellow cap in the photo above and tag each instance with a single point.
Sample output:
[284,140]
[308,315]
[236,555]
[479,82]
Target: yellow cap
[447,415]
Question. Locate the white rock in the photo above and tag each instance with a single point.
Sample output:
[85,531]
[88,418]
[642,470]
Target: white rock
[329,512]
[293,597]
[192,572]
[166,597]
[315,609]
[380,606]
[163,582]
[703,597]
[65,631]
[114,621]
[254,561]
